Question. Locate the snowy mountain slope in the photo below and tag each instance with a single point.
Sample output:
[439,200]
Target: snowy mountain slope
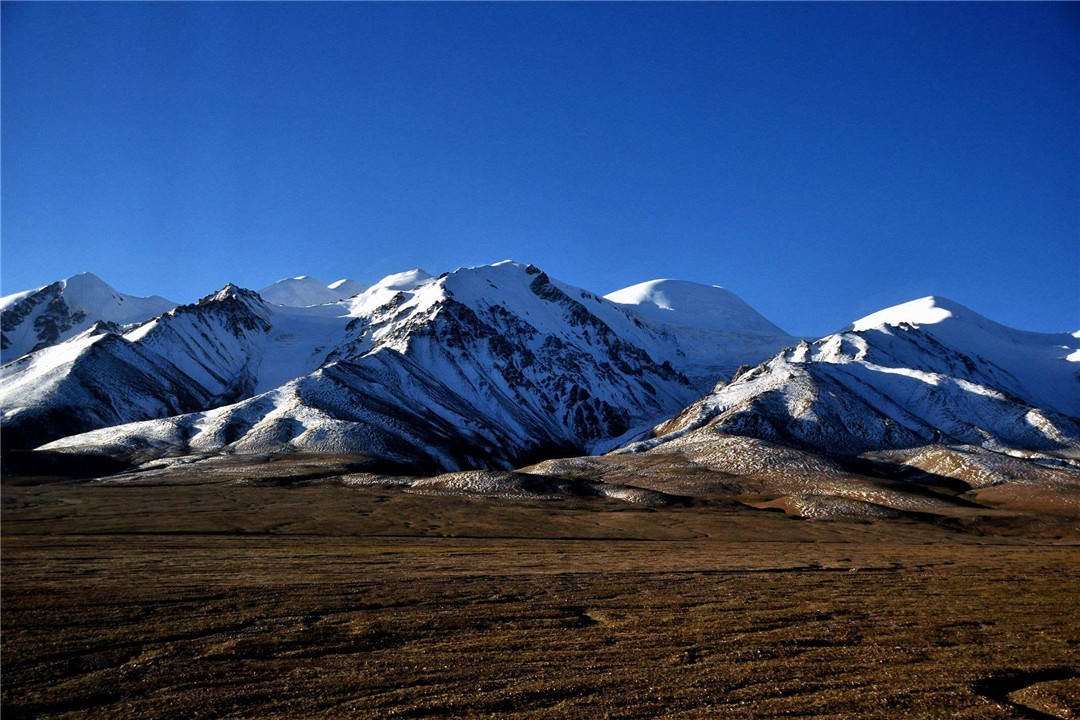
[235,344]
[217,340]
[225,347]
[94,379]
[925,372]
[304,291]
[1041,367]
[383,405]
[511,340]
[383,291]
[487,365]
[712,330]
[35,319]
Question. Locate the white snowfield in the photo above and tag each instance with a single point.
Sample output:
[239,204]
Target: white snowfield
[929,371]
[495,365]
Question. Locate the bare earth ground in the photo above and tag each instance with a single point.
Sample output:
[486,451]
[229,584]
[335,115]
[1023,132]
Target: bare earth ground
[228,599]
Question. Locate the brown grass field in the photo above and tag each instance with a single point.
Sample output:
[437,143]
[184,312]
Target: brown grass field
[228,599]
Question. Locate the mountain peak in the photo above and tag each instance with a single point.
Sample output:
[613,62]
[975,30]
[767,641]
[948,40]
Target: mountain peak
[299,291]
[404,280]
[690,304]
[89,292]
[230,291]
[36,319]
[86,288]
[929,310]
[85,276]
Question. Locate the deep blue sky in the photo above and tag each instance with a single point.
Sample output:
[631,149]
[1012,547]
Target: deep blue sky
[823,161]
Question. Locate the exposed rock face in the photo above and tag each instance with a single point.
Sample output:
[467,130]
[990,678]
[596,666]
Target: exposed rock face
[52,318]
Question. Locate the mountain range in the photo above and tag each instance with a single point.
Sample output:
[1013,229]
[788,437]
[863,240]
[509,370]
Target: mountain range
[500,366]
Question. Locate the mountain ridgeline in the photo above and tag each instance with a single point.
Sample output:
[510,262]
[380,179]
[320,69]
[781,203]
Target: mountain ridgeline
[500,365]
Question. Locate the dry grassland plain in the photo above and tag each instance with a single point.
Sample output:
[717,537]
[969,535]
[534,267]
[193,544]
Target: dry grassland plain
[232,599]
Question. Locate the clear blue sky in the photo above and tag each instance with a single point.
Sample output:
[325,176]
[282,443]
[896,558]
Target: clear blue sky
[823,161]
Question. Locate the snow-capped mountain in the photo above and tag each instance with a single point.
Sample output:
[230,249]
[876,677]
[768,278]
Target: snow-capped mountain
[713,330]
[36,319]
[304,291]
[487,365]
[925,372]
[496,365]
